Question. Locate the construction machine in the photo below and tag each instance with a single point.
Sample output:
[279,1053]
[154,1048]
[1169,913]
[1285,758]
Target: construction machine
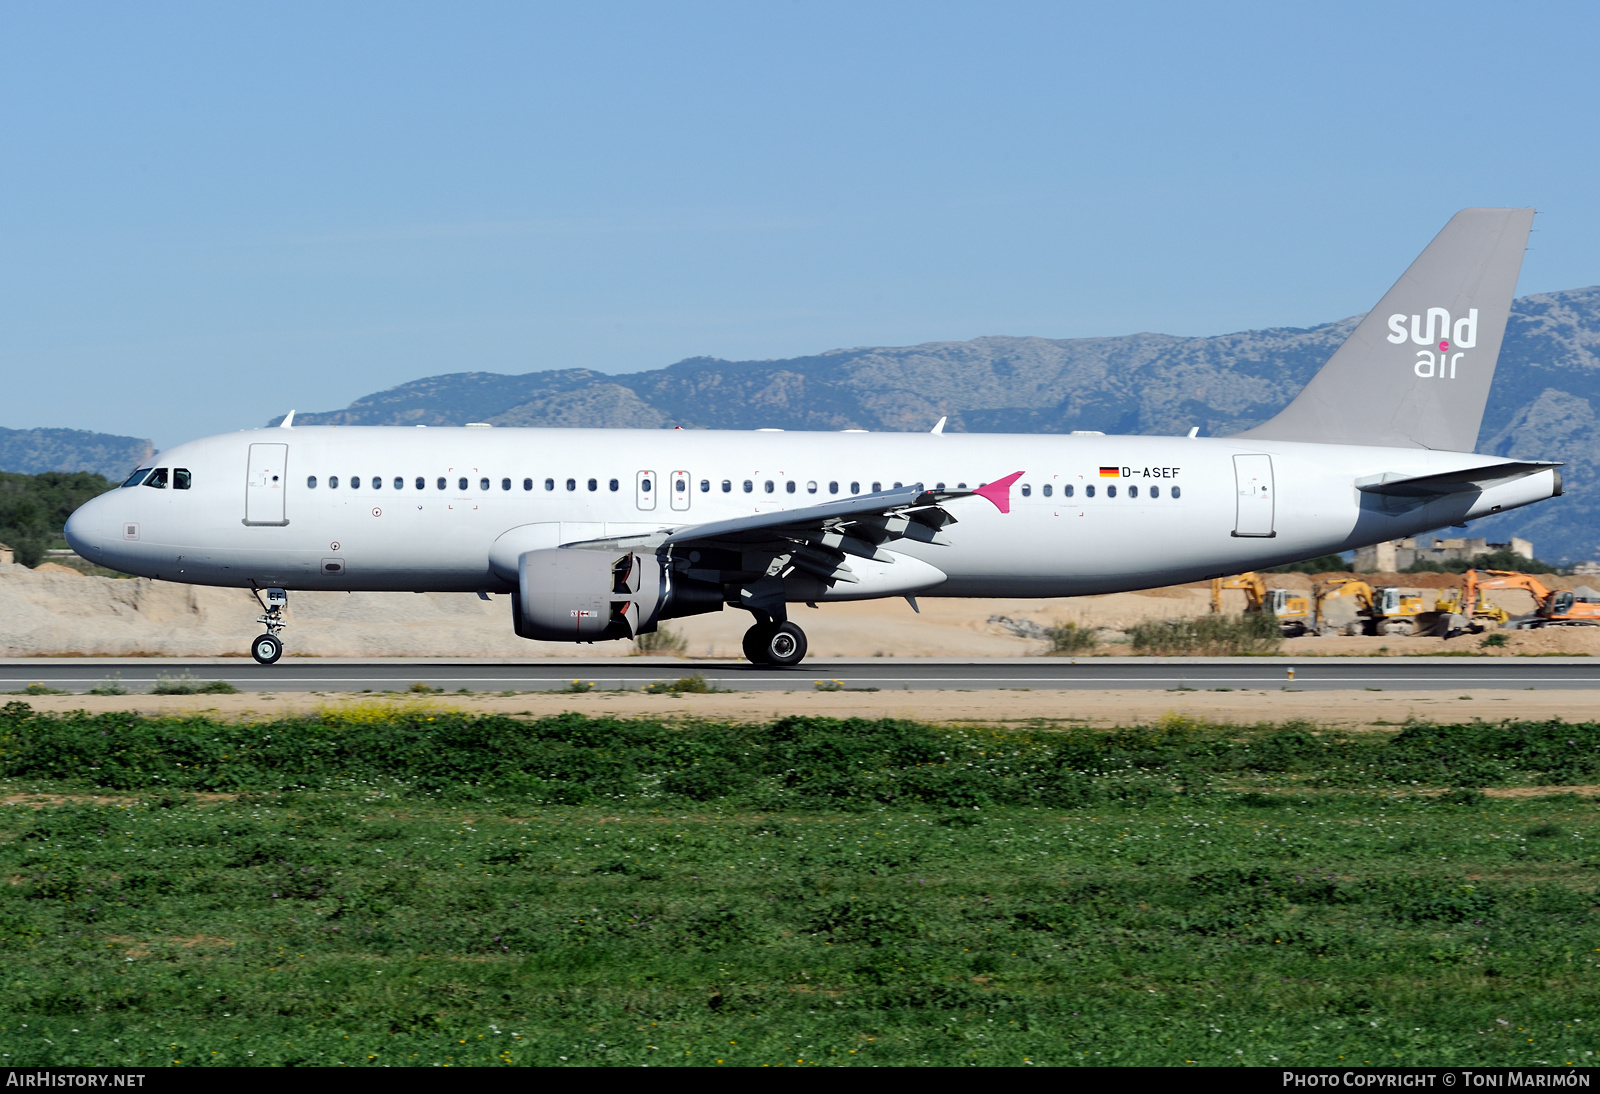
[1578,607]
[1293,611]
[1467,605]
[1381,611]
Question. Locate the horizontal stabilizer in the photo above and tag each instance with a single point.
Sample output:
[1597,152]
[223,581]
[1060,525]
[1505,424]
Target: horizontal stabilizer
[1467,480]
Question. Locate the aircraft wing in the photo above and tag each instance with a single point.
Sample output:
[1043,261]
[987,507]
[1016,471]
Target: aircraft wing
[1467,480]
[813,540]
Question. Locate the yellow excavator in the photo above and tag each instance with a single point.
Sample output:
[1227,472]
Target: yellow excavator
[1293,611]
[1381,611]
[1480,613]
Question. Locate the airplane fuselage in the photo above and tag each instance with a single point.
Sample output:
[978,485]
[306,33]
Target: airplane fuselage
[421,509]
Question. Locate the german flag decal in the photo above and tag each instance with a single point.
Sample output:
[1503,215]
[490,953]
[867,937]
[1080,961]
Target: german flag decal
[1111,472]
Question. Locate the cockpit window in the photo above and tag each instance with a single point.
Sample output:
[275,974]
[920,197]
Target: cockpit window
[181,478]
[137,477]
[157,479]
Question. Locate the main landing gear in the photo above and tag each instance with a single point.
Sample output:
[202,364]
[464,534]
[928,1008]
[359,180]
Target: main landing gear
[267,648]
[781,645]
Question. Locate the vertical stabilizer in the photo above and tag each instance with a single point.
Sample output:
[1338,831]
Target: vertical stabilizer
[1416,372]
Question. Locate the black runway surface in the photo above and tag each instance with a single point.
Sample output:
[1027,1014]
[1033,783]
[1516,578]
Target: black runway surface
[885,674]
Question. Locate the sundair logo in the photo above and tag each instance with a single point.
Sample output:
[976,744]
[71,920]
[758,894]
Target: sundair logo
[1434,328]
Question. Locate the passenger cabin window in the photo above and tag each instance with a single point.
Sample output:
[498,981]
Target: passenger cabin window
[1027,491]
[461,484]
[938,486]
[644,484]
[377,482]
[572,484]
[440,483]
[1155,491]
[769,486]
[897,486]
[137,477]
[157,479]
[748,486]
[1133,491]
[527,484]
[833,488]
[705,486]
[614,485]
[1045,490]
[311,482]
[333,482]
[594,484]
[505,484]
[811,487]
[1088,491]
[1177,492]
[855,488]
[483,485]
[789,486]
[355,482]
[877,486]
[422,483]
[1111,491]
[677,484]
[180,478]
[1066,491]
[961,486]
[549,484]
[727,486]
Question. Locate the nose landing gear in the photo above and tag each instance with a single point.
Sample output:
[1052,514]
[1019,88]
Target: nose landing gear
[781,645]
[267,648]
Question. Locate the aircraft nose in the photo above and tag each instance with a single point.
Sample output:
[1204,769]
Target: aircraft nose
[88,529]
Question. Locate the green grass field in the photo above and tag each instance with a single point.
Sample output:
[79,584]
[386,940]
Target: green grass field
[425,887]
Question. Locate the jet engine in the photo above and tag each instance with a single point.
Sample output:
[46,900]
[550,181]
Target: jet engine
[583,595]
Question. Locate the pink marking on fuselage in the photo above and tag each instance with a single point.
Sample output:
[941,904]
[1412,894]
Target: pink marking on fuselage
[999,491]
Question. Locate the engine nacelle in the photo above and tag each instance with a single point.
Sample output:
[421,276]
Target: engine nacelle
[577,595]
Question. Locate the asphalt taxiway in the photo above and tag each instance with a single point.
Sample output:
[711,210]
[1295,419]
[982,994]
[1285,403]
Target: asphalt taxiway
[885,674]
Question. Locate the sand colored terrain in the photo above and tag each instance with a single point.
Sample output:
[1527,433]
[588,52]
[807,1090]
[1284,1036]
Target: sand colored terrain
[57,611]
[1358,709]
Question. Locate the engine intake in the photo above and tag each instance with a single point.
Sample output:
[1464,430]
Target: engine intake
[577,595]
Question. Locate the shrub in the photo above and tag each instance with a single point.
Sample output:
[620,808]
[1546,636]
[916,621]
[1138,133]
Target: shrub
[660,640]
[111,685]
[1071,638]
[1211,635]
[694,685]
[187,685]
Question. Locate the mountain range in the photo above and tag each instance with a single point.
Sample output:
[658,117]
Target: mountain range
[1542,406]
[34,451]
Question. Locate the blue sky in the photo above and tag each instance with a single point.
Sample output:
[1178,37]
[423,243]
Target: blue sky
[210,213]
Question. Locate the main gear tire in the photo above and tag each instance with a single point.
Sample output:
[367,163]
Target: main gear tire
[755,643]
[267,649]
[785,646]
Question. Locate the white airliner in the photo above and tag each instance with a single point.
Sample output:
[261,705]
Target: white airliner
[605,534]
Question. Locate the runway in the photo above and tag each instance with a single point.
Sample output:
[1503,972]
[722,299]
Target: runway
[139,675]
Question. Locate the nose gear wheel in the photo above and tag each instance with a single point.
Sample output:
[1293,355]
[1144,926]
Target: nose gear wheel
[267,649]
